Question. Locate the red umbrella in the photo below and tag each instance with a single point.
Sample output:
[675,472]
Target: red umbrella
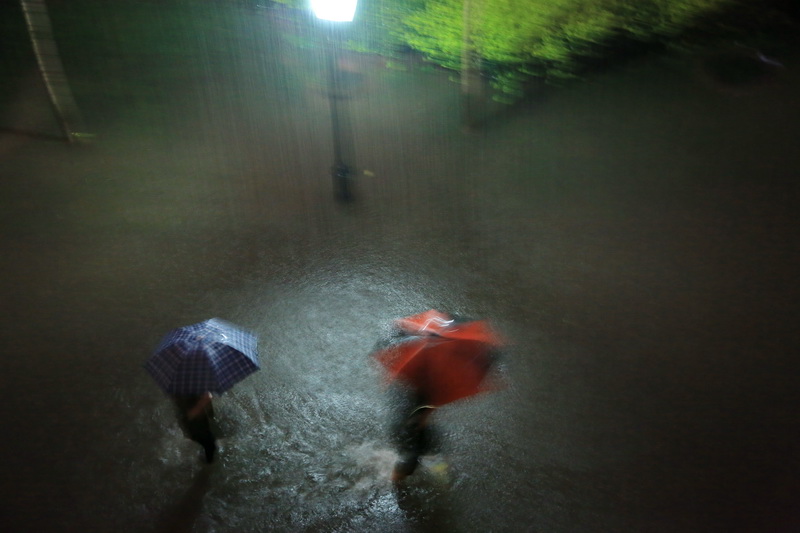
[443,359]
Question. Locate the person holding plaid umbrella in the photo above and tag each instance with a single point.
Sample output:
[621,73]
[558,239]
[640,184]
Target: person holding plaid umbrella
[192,362]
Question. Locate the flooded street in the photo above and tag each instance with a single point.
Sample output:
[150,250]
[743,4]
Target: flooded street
[634,237]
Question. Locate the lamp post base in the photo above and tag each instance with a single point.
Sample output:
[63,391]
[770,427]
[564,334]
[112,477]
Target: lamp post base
[341,182]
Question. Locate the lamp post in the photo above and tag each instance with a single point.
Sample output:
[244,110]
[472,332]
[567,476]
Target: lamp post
[333,12]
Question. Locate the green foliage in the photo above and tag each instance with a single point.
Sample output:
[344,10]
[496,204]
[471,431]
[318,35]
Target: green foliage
[518,39]
[435,30]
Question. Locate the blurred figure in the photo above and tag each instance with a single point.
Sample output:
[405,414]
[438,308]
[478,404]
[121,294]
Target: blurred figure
[438,359]
[414,438]
[195,413]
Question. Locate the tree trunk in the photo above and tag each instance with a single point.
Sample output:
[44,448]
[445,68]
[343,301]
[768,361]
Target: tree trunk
[51,68]
[470,80]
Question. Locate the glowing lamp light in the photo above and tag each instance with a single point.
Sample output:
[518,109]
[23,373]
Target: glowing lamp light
[334,10]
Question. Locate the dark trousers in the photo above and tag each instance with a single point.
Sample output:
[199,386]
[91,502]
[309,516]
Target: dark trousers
[199,430]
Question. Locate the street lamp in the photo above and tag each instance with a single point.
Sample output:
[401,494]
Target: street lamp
[336,11]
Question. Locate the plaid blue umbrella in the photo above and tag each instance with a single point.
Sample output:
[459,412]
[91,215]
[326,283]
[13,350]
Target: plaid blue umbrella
[210,356]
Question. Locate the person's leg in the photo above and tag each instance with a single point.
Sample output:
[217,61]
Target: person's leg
[210,447]
[201,434]
[414,442]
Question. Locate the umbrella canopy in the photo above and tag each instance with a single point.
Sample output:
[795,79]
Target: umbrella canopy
[443,359]
[210,356]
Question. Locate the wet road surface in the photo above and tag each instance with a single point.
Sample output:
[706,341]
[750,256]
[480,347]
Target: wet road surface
[634,236]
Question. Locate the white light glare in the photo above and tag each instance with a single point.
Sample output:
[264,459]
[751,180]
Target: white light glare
[334,10]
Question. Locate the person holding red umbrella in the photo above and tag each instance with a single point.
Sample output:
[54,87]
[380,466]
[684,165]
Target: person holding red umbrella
[438,359]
